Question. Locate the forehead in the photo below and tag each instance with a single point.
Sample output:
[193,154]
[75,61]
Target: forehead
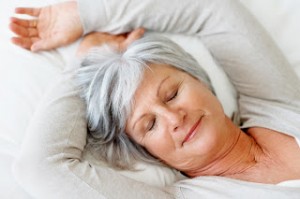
[152,78]
[148,87]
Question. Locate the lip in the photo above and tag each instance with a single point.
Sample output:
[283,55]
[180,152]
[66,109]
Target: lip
[192,131]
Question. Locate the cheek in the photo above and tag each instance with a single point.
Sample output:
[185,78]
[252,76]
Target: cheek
[212,134]
[203,98]
[208,142]
[208,101]
[160,145]
[215,106]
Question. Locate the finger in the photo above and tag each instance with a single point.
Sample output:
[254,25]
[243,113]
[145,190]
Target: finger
[24,42]
[35,12]
[134,35]
[45,44]
[23,32]
[24,22]
[19,30]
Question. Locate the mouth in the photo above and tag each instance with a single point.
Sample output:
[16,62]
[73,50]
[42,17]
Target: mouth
[192,131]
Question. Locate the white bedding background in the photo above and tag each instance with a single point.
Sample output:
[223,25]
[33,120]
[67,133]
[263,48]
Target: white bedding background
[25,76]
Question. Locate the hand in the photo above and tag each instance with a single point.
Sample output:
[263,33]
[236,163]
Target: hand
[120,41]
[51,27]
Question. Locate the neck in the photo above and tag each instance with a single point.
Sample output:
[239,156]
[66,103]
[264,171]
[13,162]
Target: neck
[240,154]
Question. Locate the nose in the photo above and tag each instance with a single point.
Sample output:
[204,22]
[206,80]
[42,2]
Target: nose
[174,118]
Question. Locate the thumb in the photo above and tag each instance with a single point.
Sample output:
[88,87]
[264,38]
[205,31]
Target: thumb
[134,35]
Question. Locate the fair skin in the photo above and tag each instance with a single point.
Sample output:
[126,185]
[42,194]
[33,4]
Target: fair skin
[120,41]
[46,32]
[214,147]
[186,128]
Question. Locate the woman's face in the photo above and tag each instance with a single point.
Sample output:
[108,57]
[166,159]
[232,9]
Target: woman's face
[177,119]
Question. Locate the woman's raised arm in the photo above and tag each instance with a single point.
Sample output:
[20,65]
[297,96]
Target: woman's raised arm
[229,31]
[51,163]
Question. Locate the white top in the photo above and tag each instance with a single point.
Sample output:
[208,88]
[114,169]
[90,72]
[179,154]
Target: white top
[51,163]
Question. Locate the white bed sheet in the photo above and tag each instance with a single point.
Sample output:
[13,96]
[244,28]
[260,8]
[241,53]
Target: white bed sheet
[16,67]
[25,76]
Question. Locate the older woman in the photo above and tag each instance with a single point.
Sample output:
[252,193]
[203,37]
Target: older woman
[156,94]
[154,99]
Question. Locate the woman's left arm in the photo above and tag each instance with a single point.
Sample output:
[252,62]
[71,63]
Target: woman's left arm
[230,32]
[233,36]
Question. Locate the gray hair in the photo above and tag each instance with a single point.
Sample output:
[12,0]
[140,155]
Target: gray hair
[108,80]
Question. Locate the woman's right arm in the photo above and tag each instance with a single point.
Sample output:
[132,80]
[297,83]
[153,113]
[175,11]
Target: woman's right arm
[51,163]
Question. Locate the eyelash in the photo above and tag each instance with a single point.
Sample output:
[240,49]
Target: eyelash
[173,96]
[153,124]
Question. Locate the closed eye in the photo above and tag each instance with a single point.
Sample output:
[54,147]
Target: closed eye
[173,96]
[175,92]
[151,124]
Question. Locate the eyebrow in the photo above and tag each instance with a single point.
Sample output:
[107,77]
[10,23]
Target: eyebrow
[157,93]
[161,83]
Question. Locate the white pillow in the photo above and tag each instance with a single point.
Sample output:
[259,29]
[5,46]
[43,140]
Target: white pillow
[281,19]
[24,77]
[8,187]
